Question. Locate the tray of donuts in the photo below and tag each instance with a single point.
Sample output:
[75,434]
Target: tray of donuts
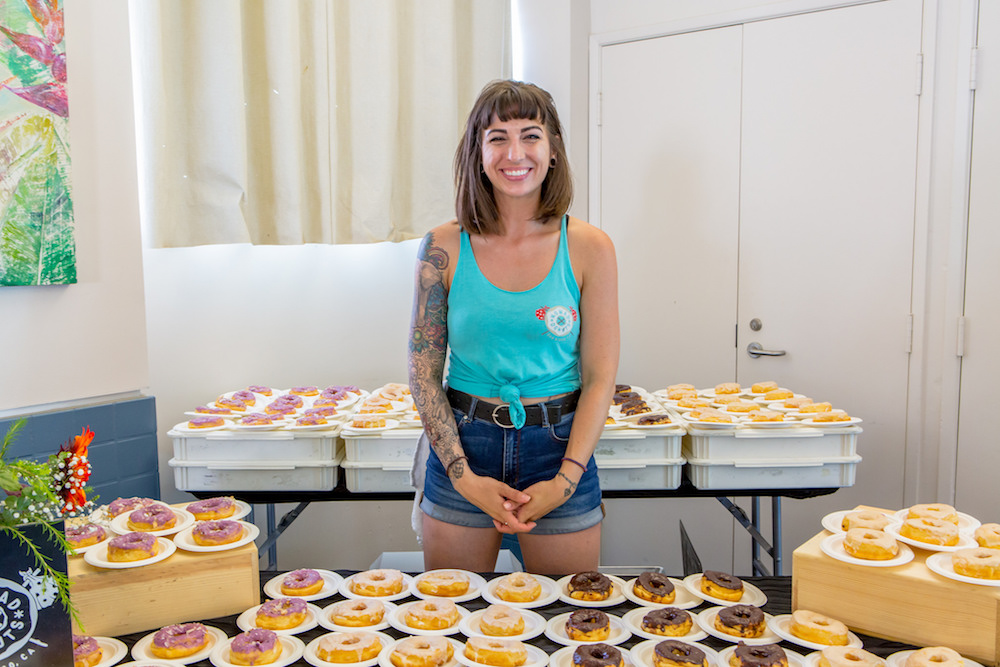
[634,408]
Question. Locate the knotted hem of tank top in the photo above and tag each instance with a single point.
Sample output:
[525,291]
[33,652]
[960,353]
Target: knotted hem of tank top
[512,395]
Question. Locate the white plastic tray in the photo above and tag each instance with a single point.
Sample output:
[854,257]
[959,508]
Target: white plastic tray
[277,445]
[749,443]
[628,474]
[395,445]
[632,443]
[255,475]
[377,475]
[772,473]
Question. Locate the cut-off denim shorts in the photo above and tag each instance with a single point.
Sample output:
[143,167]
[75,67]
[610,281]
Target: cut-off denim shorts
[519,458]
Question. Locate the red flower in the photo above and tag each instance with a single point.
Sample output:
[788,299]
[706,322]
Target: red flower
[75,471]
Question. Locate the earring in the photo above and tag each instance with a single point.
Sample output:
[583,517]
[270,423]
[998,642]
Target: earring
[552,162]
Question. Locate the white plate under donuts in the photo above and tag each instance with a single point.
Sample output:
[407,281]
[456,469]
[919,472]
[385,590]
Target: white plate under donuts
[550,593]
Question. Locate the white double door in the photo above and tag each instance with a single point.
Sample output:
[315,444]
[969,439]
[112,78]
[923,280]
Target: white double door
[758,181]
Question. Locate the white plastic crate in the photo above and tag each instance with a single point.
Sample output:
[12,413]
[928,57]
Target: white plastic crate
[633,443]
[772,473]
[377,475]
[274,445]
[743,444]
[394,445]
[633,474]
[255,475]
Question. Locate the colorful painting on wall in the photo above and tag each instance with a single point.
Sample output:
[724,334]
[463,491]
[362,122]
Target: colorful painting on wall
[37,244]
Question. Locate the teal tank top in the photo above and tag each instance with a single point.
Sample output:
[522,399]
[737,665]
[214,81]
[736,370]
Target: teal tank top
[514,344]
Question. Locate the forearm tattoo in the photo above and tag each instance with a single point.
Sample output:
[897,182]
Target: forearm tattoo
[571,489]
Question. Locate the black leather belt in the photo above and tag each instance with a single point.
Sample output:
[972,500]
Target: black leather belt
[499,413]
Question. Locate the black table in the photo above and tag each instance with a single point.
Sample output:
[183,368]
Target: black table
[777,589]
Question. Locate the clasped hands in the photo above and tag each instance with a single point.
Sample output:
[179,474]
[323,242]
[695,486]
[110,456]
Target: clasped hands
[512,511]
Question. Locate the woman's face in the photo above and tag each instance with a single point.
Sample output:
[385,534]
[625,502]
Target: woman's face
[516,156]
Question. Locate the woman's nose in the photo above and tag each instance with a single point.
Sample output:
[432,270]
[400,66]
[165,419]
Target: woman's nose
[515,151]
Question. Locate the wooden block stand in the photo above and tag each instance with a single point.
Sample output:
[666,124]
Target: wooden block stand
[185,587]
[907,603]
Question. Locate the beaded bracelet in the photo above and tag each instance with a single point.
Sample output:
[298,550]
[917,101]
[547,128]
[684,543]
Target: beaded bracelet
[447,469]
[582,467]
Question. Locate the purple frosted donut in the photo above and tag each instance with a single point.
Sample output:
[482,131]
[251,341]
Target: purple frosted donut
[85,535]
[122,505]
[152,517]
[307,390]
[84,648]
[334,394]
[179,640]
[326,411]
[282,607]
[219,507]
[289,399]
[254,647]
[346,388]
[214,533]
[246,396]
[131,546]
[211,410]
[260,389]
[325,401]
[302,582]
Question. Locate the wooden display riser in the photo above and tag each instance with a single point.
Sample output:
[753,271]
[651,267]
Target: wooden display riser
[185,587]
[906,603]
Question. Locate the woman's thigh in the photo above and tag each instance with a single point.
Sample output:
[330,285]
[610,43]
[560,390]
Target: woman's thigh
[447,545]
[563,553]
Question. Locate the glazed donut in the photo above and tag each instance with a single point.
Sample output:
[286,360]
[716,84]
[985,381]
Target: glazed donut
[978,562]
[377,583]
[215,533]
[847,656]
[763,387]
[870,519]
[122,505]
[343,647]
[499,620]
[496,652]
[85,535]
[654,587]
[778,395]
[592,586]
[131,547]
[179,641]
[518,587]
[254,647]
[931,531]
[86,651]
[281,614]
[938,511]
[721,585]
[597,655]
[668,622]
[588,625]
[421,652]
[813,408]
[728,388]
[302,582]
[988,535]
[796,402]
[818,628]
[762,655]
[741,620]
[356,613]
[368,421]
[935,656]
[220,507]
[870,544]
[443,583]
[152,517]
[673,653]
[431,614]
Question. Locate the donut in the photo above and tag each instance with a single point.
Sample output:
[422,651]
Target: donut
[721,585]
[624,397]
[597,655]
[131,547]
[254,647]
[814,408]
[421,652]
[938,511]
[212,410]
[978,562]
[847,656]
[260,389]
[368,421]
[832,416]
[728,388]
[85,535]
[591,586]
[343,647]
[377,583]
[216,533]
[278,408]
[281,614]
[322,410]
[356,613]
[208,421]
[693,402]
[870,544]
[86,651]
[289,399]
[741,620]
[496,652]
[796,402]
[588,625]
[654,587]
[246,396]
[763,387]
[307,390]
[311,420]
[935,656]
[742,406]
[326,402]
[870,519]
[122,505]
[152,517]
[673,653]
[681,394]
[765,415]
[988,535]
[667,621]
[302,582]
[499,620]
[234,404]
[443,583]
[818,628]
[376,405]
[654,420]
[220,507]
[636,407]
[778,395]
[518,587]
[931,531]
[179,641]
[431,614]
[258,419]
[763,655]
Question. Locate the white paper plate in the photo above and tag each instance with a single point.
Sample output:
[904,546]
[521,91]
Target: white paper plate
[326,621]
[966,522]
[292,649]
[833,546]
[389,424]
[642,653]
[273,426]
[751,594]
[633,621]
[98,556]
[787,422]
[617,593]
[476,586]
[794,659]
[384,661]
[140,651]
[347,591]
[312,648]
[706,619]
[184,539]
[716,425]
[555,630]
[965,541]
[781,626]
[898,659]
[834,520]
[183,427]
[550,593]
[849,422]
[940,563]
[683,597]
[398,615]
[536,657]
[534,625]
[248,620]
[331,585]
[112,651]
[184,520]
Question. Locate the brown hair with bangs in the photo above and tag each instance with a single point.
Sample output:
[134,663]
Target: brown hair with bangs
[475,204]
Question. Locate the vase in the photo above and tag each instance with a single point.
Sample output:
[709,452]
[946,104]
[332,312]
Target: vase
[35,626]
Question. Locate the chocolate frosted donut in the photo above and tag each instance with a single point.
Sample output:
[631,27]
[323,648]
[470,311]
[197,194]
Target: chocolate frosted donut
[597,655]
[588,625]
[724,580]
[672,653]
[766,655]
[589,586]
[669,621]
[722,585]
[655,587]
[740,620]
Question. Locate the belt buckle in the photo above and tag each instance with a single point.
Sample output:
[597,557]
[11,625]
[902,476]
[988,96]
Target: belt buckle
[493,415]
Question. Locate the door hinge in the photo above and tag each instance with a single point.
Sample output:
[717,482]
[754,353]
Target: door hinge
[920,74]
[973,68]
[960,343]
[909,333]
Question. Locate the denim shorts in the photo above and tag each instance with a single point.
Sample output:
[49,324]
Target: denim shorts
[519,458]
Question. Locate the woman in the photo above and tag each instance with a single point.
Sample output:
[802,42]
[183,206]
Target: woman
[527,300]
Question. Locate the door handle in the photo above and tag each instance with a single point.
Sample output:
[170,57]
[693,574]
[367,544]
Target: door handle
[755,350]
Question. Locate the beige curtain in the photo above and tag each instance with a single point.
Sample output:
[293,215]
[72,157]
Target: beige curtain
[306,121]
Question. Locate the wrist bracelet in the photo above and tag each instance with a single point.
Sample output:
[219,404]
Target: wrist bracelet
[447,469]
[582,467]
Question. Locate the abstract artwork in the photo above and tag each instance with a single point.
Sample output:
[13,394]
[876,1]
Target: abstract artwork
[36,205]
